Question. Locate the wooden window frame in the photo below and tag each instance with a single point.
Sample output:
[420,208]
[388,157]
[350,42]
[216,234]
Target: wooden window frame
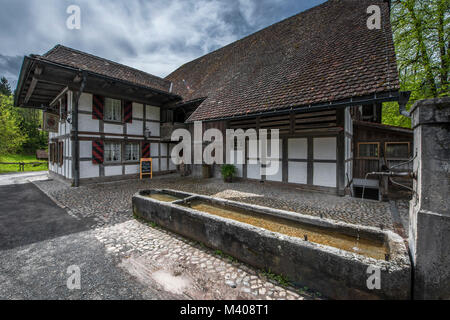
[368,158]
[395,142]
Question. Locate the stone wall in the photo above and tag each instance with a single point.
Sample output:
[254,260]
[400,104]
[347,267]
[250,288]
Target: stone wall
[429,231]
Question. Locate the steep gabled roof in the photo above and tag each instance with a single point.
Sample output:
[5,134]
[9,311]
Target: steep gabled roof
[324,54]
[85,61]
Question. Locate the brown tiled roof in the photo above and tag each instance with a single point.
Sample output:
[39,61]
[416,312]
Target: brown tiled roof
[84,61]
[324,54]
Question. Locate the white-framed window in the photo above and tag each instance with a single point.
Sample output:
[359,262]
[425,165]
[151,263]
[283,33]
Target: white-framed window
[113,110]
[131,152]
[113,152]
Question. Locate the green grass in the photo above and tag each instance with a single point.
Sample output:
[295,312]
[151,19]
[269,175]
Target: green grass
[5,168]
[282,280]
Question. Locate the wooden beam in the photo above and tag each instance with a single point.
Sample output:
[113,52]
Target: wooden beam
[30,90]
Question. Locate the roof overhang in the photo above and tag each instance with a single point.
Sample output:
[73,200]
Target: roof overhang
[41,81]
[379,97]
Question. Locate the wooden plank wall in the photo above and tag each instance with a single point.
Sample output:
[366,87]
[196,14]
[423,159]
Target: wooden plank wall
[290,124]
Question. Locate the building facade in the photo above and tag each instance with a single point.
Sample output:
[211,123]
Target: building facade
[310,76]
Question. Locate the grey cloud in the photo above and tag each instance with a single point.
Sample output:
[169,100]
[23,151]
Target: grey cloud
[156,36]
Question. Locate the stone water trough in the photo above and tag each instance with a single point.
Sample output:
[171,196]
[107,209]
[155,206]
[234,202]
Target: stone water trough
[339,260]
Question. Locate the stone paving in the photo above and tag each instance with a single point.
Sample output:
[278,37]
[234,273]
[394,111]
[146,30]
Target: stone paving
[185,267]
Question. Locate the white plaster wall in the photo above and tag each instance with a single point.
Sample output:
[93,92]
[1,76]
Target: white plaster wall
[136,127]
[88,170]
[279,175]
[298,149]
[85,102]
[325,174]
[138,110]
[113,171]
[155,128]
[86,123]
[239,170]
[155,165]
[69,164]
[325,148]
[154,150]
[85,149]
[113,128]
[152,113]
[163,149]
[164,164]
[298,172]
[132,169]
[253,171]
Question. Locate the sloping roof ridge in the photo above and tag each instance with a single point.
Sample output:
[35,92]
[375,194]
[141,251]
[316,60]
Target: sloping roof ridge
[253,34]
[58,46]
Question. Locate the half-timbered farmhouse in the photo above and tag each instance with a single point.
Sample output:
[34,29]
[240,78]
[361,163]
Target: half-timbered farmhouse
[318,77]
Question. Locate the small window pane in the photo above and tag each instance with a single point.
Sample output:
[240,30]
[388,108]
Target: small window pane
[113,152]
[132,152]
[369,150]
[113,110]
[397,150]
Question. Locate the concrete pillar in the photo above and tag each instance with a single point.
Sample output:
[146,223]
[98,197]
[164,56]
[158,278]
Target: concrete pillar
[429,226]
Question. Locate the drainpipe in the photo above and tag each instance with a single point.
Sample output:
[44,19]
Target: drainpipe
[403,101]
[75,144]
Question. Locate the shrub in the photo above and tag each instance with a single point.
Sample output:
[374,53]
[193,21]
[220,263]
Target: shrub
[228,172]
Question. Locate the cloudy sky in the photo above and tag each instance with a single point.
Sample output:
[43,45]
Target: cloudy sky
[156,36]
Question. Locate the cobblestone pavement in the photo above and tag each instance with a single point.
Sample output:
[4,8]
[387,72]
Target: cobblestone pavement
[184,267]
[107,199]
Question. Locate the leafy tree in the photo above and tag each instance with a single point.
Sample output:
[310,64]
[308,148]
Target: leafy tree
[30,122]
[11,137]
[5,88]
[421,31]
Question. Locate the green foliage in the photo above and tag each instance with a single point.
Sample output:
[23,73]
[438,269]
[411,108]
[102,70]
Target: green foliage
[11,137]
[282,280]
[228,171]
[421,31]
[5,88]
[30,124]
[392,116]
[20,128]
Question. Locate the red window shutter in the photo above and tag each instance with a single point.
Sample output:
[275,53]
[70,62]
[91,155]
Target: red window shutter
[98,151]
[97,107]
[145,150]
[128,112]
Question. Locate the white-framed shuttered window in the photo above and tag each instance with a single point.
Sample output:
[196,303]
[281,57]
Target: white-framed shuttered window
[132,152]
[113,110]
[113,152]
